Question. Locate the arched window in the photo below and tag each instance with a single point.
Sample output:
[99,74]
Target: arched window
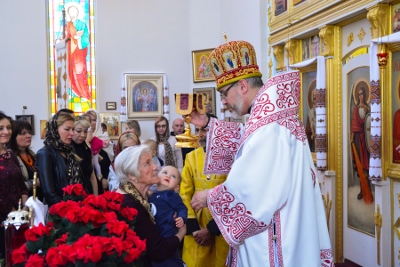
[72,73]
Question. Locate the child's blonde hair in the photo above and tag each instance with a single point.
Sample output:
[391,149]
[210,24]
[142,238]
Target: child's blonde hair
[152,144]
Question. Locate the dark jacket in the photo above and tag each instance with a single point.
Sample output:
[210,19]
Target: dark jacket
[167,204]
[158,249]
[53,173]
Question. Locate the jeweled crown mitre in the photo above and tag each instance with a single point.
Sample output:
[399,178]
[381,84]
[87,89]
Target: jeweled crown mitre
[233,61]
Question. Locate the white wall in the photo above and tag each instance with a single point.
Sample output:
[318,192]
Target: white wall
[23,60]
[131,36]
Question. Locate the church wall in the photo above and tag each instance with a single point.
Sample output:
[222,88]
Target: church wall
[23,61]
[131,36]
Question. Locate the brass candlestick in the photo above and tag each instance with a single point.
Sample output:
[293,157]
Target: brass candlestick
[185,104]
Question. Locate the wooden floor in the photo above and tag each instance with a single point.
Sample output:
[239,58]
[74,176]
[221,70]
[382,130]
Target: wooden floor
[347,263]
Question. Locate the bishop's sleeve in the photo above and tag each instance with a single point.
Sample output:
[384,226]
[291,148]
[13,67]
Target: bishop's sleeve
[257,186]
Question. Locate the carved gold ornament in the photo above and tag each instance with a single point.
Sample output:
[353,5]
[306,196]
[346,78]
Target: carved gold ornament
[361,34]
[350,39]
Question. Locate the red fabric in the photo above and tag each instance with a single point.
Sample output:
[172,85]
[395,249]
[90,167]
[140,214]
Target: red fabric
[357,127]
[96,144]
[396,136]
[77,70]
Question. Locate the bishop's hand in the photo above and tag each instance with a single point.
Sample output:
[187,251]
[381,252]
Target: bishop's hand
[199,200]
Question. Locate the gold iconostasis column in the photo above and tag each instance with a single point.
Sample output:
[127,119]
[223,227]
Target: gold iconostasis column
[379,16]
[331,49]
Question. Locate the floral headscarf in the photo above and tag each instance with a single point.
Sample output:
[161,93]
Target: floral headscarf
[53,140]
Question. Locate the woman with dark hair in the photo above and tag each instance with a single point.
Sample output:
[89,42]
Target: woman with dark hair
[12,187]
[21,139]
[56,164]
[166,149]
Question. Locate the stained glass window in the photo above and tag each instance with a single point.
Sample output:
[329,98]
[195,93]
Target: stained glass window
[71,22]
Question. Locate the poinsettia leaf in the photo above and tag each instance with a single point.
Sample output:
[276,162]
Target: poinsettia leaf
[34,246]
[80,263]
[103,230]
[84,229]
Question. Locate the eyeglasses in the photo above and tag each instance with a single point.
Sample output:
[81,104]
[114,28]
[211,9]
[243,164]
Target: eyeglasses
[225,93]
[161,126]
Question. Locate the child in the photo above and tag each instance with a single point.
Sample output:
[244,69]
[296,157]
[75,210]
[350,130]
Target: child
[167,204]
[159,162]
[153,146]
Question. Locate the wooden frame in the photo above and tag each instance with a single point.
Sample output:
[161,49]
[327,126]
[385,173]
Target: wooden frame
[28,118]
[210,92]
[43,129]
[395,108]
[308,113]
[144,95]
[201,68]
[111,105]
[113,122]
[280,6]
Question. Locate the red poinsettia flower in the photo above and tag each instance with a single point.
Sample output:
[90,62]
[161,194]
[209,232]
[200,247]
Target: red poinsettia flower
[96,202]
[94,230]
[134,240]
[113,199]
[118,228]
[60,255]
[112,245]
[62,239]
[35,260]
[35,233]
[129,213]
[19,255]
[110,216]
[88,249]
[132,254]
[74,190]
[61,209]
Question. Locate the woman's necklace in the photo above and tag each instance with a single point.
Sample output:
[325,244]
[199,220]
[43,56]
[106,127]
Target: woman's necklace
[28,160]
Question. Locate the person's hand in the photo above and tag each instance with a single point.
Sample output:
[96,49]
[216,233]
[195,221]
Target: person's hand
[197,119]
[181,232]
[199,200]
[104,183]
[179,222]
[89,136]
[203,237]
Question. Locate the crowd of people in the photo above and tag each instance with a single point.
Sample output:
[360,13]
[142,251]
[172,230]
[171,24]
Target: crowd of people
[209,198]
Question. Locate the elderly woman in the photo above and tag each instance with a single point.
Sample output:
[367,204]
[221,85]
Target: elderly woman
[21,139]
[56,164]
[12,186]
[125,140]
[136,173]
[85,153]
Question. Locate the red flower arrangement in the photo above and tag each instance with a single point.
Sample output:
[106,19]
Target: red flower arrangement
[83,230]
